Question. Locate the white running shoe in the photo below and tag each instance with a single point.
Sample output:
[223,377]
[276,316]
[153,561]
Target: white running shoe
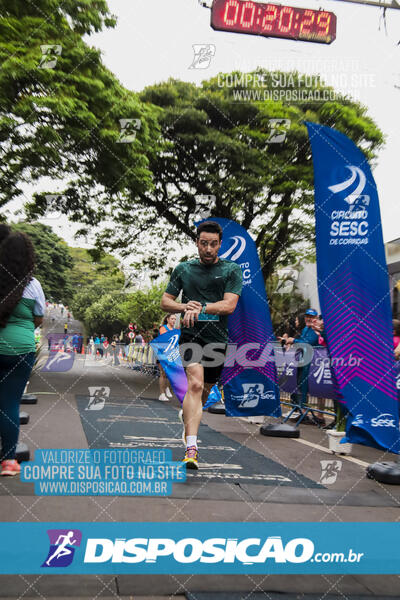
[168,393]
[163,398]
[180,415]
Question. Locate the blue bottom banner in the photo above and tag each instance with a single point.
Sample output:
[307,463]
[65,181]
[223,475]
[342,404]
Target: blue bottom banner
[213,548]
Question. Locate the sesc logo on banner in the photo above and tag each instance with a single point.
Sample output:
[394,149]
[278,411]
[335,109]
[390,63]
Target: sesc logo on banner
[237,248]
[249,395]
[357,182]
[353,282]
[172,350]
[383,420]
[253,393]
[350,225]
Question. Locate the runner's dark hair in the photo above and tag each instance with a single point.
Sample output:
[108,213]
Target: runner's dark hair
[302,321]
[165,319]
[290,326]
[17,262]
[396,326]
[209,227]
[4,232]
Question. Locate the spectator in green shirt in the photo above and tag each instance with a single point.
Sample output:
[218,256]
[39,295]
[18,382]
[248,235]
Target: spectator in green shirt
[22,306]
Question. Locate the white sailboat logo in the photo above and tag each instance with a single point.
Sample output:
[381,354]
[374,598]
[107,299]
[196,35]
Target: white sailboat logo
[339,187]
[234,251]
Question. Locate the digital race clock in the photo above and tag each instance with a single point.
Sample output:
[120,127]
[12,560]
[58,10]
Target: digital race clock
[274,20]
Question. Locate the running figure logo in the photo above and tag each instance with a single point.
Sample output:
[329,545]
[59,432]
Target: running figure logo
[286,281]
[50,54]
[252,394]
[53,201]
[279,129]
[62,547]
[59,362]
[329,471]
[203,54]
[98,397]
[129,129]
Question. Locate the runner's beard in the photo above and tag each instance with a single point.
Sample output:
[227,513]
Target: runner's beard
[208,259]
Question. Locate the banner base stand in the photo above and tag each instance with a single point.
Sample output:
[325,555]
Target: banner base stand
[23,418]
[217,409]
[22,452]
[280,430]
[384,472]
[29,399]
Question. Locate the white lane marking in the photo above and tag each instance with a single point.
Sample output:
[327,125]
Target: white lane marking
[145,439]
[237,476]
[220,466]
[357,461]
[169,444]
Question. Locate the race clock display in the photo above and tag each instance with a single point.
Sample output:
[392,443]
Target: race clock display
[274,20]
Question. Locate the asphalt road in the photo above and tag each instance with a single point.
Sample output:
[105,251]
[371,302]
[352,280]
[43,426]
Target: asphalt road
[244,476]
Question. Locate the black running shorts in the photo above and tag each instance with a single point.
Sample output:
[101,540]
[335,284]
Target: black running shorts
[210,355]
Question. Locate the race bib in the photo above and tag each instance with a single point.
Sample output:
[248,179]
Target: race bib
[205,317]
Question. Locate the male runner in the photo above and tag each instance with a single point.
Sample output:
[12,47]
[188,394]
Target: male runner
[211,287]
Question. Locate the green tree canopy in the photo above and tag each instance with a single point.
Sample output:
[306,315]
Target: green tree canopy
[110,313]
[217,159]
[53,261]
[93,276]
[84,298]
[60,109]
[105,316]
[143,307]
[102,270]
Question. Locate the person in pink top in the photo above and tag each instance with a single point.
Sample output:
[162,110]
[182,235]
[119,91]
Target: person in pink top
[319,327]
[396,338]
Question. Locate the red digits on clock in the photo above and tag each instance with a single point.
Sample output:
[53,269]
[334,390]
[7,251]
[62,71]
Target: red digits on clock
[231,12]
[323,22]
[307,21]
[258,17]
[269,17]
[285,10]
[248,7]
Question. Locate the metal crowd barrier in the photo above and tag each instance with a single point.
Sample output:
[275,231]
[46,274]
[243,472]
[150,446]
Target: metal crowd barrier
[143,359]
[310,407]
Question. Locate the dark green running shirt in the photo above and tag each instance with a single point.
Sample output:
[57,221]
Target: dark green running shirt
[206,284]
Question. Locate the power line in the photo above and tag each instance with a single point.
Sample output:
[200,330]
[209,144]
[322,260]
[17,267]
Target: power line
[392,4]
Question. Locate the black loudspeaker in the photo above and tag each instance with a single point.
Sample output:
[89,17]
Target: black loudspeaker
[22,453]
[23,418]
[384,472]
[29,399]
[217,409]
[280,430]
